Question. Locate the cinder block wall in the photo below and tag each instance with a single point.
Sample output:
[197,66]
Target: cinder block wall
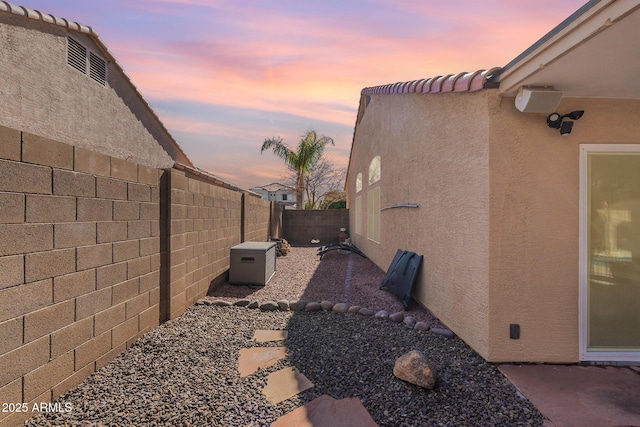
[79,264]
[204,222]
[256,218]
[302,226]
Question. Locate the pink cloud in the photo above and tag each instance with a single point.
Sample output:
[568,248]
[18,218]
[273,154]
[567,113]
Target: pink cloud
[267,56]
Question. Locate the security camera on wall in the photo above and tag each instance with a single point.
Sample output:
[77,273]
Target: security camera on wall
[538,99]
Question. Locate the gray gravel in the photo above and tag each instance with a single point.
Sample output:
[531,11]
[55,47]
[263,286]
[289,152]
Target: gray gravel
[185,373]
[338,278]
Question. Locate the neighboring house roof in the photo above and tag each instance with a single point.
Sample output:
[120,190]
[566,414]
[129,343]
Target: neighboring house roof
[174,150]
[273,187]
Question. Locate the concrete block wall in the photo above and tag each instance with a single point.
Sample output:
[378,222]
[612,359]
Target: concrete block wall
[302,226]
[256,218]
[79,264]
[204,223]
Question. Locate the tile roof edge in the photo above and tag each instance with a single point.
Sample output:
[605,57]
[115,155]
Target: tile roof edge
[5,6]
[461,82]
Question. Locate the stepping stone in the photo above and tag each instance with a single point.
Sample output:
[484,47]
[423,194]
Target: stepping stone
[254,358]
[285,383]
[325,411]
[269,335]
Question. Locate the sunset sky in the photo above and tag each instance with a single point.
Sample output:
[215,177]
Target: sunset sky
[223,75]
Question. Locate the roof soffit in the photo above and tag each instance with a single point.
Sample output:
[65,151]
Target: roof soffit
[594,55]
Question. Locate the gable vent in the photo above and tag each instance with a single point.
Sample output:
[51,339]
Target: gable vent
[77,56]
[97,69]
[87,62]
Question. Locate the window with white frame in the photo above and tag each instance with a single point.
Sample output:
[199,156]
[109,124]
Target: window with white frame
[373,200]
[374,170]
[373,214]
[359,182]
[358,216]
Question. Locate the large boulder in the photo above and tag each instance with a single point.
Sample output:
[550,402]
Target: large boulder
[415,368]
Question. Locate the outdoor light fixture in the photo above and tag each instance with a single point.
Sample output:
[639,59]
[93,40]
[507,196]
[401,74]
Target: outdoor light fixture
[557,121]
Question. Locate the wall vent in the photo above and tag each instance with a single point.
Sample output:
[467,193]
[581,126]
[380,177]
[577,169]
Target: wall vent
[87,62]
[97,69]
[77,56]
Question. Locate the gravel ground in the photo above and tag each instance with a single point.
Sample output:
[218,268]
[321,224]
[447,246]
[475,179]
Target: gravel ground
[338,277]
[185,372]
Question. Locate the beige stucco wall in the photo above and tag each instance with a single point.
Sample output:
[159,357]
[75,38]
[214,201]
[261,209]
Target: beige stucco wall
[534,243]
[44,96]
[498,221]
[434,152]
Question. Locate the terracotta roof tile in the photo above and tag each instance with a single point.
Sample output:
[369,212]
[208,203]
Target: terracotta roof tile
[462,82]
[5,6]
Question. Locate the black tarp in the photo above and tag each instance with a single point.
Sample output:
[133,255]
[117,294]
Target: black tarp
[401,275]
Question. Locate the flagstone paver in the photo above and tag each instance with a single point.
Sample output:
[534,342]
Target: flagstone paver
[325,411]
[270,335]
[285,383]
[254,358]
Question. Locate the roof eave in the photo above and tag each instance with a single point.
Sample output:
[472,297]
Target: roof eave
[592,18]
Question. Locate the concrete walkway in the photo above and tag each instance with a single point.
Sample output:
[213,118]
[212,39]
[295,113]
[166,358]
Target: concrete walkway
[580,396]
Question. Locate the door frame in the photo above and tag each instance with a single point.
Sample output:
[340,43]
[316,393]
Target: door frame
[585,354]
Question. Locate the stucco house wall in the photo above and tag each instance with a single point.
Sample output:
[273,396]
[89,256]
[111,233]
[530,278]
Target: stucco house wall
[44,96]
[498,215]
[434,152]
[534,243]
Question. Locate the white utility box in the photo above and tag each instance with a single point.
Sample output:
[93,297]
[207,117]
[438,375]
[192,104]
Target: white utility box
[252,263]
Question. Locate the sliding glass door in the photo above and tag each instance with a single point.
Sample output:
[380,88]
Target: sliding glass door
[610,252]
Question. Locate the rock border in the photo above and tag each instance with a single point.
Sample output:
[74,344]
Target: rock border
[326,306]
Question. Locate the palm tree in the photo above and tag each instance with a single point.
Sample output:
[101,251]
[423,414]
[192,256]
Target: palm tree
[310,150]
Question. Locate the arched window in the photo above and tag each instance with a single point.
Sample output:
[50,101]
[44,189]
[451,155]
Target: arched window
[359,182]
[374,170]
[373,201]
